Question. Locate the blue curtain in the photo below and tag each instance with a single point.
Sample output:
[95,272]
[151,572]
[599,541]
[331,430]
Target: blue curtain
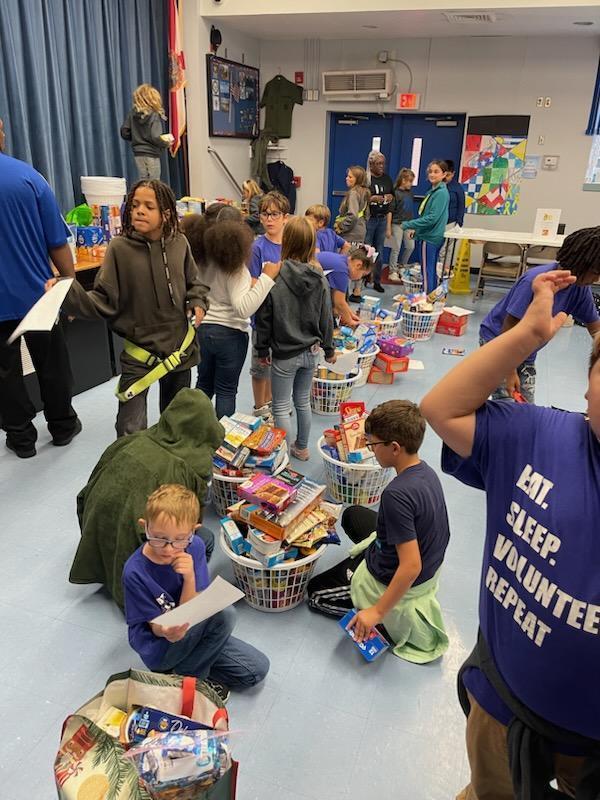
[67,72]
[593,128]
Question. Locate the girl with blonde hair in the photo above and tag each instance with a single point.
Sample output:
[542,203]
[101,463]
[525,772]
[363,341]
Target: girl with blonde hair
[143,127]
[350,222]
[252,196]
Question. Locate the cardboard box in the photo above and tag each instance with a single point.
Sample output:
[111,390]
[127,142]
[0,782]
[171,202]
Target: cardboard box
[391,363]
[453,321]
[379,376]
[452,328]
[396,346]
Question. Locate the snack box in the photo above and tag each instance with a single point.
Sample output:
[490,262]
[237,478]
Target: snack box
[89,235]
[453,351]
[272,493]
[233,535]
[377,375]
[373,647]
[351,409]
[247,419]
[272,560]
[262,542]
[264,440]
[396,346]
[391,363]
[360,456]
[453,321]
[144,721]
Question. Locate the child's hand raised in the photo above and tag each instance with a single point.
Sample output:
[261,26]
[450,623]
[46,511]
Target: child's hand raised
[173,634]
[539,318]
[183,564]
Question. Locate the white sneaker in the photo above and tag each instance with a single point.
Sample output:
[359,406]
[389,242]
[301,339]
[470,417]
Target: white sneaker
[394,276]
[265,413]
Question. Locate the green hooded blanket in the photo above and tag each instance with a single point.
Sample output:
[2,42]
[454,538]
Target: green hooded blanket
[178,449]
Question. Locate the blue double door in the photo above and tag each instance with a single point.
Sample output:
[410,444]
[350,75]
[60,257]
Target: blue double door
[400,137]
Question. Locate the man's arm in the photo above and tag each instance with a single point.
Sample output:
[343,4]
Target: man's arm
[451,405]
[409,568]
[62,258]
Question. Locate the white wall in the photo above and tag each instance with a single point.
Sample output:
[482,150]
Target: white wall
[479,75]
[206,176]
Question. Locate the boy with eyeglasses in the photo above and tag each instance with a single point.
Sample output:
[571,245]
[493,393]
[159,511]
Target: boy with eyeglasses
[167,570]
[274,212]
[392,573]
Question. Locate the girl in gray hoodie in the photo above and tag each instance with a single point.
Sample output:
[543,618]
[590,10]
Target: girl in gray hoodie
[293,322]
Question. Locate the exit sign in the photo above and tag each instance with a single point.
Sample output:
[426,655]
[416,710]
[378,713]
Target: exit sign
[408,101]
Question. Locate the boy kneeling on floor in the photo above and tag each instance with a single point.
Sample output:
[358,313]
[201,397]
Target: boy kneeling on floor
[167,570]
[393,570]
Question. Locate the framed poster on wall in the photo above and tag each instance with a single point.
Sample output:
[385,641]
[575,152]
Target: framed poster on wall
[233,98]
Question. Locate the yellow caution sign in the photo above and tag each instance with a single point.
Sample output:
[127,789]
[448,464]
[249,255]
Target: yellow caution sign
[460,282]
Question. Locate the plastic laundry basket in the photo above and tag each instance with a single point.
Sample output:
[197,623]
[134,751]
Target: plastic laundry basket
[419,325]
[412,285]
[225,489]
[354,484]
[387,327]
[364,364]
[326,395]
[277,589]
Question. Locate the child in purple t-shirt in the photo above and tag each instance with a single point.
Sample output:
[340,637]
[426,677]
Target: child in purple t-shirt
[328,241]
[576,300]
[167,570]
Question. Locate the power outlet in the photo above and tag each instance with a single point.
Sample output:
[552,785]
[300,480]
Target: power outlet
[547,102]
[540,102]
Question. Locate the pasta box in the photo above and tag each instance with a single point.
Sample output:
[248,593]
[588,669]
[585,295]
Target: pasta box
[388,363]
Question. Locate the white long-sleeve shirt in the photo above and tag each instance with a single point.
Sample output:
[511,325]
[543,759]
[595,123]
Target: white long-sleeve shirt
[233,299]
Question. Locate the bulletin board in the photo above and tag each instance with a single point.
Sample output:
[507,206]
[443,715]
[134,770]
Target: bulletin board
[233,98]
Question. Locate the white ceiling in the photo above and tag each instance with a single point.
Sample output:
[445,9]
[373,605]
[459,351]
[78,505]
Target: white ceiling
[420,24]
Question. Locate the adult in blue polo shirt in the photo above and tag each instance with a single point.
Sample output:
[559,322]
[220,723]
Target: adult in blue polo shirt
[530,688]
[579,254]
[339,270]
[32,232]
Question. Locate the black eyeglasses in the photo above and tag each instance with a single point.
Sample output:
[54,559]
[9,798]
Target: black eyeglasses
[158,543]
[371,445]
[271,214]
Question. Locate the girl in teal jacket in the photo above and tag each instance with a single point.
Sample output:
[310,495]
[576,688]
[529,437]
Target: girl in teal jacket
[429,226]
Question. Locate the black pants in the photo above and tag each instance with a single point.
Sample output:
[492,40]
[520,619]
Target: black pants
[133,415]
[53,369]
[329,592]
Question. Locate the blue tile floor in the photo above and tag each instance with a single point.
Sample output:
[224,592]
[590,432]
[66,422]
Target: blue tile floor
[325,724]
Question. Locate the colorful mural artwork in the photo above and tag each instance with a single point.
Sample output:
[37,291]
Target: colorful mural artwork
[491,173]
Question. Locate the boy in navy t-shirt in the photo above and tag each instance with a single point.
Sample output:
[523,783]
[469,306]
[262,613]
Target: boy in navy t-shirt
[575,300]
[393,571]
[539,607]
[328,241]
[167,570]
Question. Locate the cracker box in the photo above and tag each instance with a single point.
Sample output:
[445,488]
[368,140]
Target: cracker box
[373,647]
[377,375]
[453,321]
[391,363]
[396,346]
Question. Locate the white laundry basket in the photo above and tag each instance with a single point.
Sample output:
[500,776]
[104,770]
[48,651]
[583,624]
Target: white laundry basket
[387,327]
[274,590]
[364,364]
[326,395]
[419,325]
[354,484]
[412,285]
[225,489]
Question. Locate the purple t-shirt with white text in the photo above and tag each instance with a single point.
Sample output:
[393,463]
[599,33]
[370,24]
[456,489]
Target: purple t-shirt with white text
[328,241]
[575,300]
[539,605]
[151,589]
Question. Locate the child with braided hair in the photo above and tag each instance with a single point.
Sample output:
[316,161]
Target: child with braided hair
[149,292]
[580,253]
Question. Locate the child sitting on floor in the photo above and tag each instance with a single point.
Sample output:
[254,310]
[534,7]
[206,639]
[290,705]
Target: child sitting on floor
[167,570]
[393,570]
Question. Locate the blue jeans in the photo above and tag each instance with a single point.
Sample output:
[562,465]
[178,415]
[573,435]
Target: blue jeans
[209,650]
[292,377]
[222,355]
[376,227]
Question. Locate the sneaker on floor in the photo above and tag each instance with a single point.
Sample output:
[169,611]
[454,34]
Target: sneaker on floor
[377,287]
[264,412]
[299,453]
[219,688]
[354,298]
[61,442]
[22,452]
[394,276]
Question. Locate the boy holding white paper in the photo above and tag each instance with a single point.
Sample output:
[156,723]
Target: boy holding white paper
[166,571]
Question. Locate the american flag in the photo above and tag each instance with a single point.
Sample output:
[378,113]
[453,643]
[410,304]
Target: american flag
[177,113]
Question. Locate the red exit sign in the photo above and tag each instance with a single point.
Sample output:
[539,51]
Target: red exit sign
[408,101]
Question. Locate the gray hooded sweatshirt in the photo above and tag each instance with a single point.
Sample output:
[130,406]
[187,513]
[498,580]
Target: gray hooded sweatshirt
[144,132]
[296,313]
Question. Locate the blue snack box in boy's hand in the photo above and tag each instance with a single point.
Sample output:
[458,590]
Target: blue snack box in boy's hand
[373,647]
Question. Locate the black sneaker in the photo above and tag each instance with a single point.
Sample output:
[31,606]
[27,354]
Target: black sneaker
[377,287]
[22,452]
[220,689]
[354,298]
[68,439]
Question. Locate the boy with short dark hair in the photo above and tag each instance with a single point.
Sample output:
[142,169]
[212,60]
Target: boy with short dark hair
[328,240]
[167,570]
[392,573]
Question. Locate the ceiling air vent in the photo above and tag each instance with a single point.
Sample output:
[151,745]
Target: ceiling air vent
[470,18]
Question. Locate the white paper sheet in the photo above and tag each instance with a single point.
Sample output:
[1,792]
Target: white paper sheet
[345,362]
[413,363]
[42,316]
[219,595]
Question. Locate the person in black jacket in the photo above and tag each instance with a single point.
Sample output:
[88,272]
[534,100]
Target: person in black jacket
[144,129]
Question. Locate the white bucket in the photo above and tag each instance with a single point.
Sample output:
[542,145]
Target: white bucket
[103,191]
